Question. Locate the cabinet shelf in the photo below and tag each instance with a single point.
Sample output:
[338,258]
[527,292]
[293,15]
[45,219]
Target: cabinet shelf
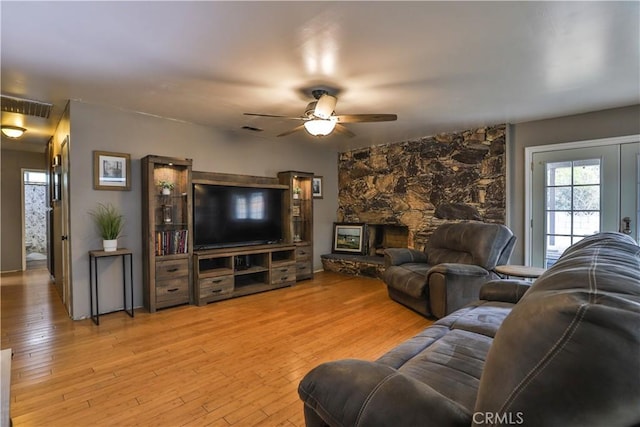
[250,270]
[216,272]
[298,224]
[217,276]
[167,247]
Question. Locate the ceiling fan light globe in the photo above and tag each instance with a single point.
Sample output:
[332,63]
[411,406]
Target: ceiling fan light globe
[320,127]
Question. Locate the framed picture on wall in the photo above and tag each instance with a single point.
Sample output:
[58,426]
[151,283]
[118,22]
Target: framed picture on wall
[111,171]
[316,186]
[349,238]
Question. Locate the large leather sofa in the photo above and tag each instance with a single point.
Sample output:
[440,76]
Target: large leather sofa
[567,353]
[458,258]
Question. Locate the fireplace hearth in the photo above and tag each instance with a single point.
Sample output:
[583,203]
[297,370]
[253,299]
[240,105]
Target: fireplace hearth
[380,237]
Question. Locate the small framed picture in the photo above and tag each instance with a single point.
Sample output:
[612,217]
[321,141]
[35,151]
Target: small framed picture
[111,171]
[349,238]
[316,187]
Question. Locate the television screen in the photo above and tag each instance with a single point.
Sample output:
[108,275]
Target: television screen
[233,216]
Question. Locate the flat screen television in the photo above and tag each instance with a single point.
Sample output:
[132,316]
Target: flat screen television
[226,216]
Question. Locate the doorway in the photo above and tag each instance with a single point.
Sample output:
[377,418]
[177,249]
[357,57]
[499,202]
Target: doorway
[34,219]
[579,189]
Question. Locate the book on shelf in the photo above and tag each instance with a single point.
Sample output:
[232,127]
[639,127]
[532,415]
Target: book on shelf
[172,242]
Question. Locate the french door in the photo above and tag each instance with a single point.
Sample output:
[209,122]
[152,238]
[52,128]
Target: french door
[577,192]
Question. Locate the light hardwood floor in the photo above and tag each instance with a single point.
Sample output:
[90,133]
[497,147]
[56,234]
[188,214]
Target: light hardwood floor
[235,362]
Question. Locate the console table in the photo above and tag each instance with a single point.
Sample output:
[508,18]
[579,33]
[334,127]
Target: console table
[93,279]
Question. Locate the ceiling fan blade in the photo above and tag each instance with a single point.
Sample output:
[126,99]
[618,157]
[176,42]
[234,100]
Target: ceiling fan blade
[275,116]
[359,118]
[325,106]
[289,132]
[343,131]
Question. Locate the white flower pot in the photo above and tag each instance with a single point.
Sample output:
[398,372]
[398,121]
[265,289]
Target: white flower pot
[296,196]
[166,191]
[110,245]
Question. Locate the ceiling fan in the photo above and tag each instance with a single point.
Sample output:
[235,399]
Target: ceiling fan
[320,119]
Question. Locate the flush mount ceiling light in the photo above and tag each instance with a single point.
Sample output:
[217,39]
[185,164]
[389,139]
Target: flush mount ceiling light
[13,131]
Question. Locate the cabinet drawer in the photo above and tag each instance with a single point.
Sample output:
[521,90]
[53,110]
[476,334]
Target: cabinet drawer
[303,269]
[303,252]
[173,268]
[172,292]
[284,274]
[216,286]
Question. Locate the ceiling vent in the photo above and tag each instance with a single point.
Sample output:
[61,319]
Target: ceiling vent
[26,107]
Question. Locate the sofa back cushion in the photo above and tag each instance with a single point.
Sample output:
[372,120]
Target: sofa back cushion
[478,243]
[568,354]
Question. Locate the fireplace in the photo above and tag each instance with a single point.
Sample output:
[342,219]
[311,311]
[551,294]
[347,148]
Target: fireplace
[383,236]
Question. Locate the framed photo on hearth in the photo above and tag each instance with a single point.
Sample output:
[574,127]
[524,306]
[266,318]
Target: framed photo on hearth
[111,171]
[349,238]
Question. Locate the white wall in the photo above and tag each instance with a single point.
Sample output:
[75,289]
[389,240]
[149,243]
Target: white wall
[107,129]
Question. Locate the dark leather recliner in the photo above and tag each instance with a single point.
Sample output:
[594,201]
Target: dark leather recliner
[447,275]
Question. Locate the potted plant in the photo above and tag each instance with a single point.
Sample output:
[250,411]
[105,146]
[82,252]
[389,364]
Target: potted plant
[110,223]
[166,187]
[296,192]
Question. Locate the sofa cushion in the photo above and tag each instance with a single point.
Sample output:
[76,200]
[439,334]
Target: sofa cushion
[449,356]
[481,317]
[359,393]
[569,352]
[409,278]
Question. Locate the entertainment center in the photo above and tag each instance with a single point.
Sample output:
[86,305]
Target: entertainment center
[217,236]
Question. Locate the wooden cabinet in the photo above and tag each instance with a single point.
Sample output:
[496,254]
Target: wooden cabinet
[166,232]
[298,221]
[231,272]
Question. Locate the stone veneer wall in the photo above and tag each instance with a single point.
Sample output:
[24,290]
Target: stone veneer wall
[425,182]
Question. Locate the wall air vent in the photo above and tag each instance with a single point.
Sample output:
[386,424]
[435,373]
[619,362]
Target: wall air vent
[27,107]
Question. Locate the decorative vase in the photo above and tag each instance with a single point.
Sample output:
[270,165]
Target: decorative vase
[166,191]
[296,195]
[110,245]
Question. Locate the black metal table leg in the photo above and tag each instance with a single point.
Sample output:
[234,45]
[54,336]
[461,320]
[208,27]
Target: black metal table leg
[93,280]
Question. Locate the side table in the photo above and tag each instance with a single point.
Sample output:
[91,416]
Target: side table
[93,279]
[523,271]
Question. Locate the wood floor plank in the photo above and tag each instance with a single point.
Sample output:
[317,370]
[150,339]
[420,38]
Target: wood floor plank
[233,363]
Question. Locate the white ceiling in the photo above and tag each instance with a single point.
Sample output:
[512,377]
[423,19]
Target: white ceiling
[440,66]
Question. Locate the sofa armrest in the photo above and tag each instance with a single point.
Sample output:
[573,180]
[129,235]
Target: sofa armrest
[360,393]
[452,268]
[504,290]
[452,286]
[397,256]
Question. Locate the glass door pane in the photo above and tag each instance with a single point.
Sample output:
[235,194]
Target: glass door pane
[573,204]
[575,194]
